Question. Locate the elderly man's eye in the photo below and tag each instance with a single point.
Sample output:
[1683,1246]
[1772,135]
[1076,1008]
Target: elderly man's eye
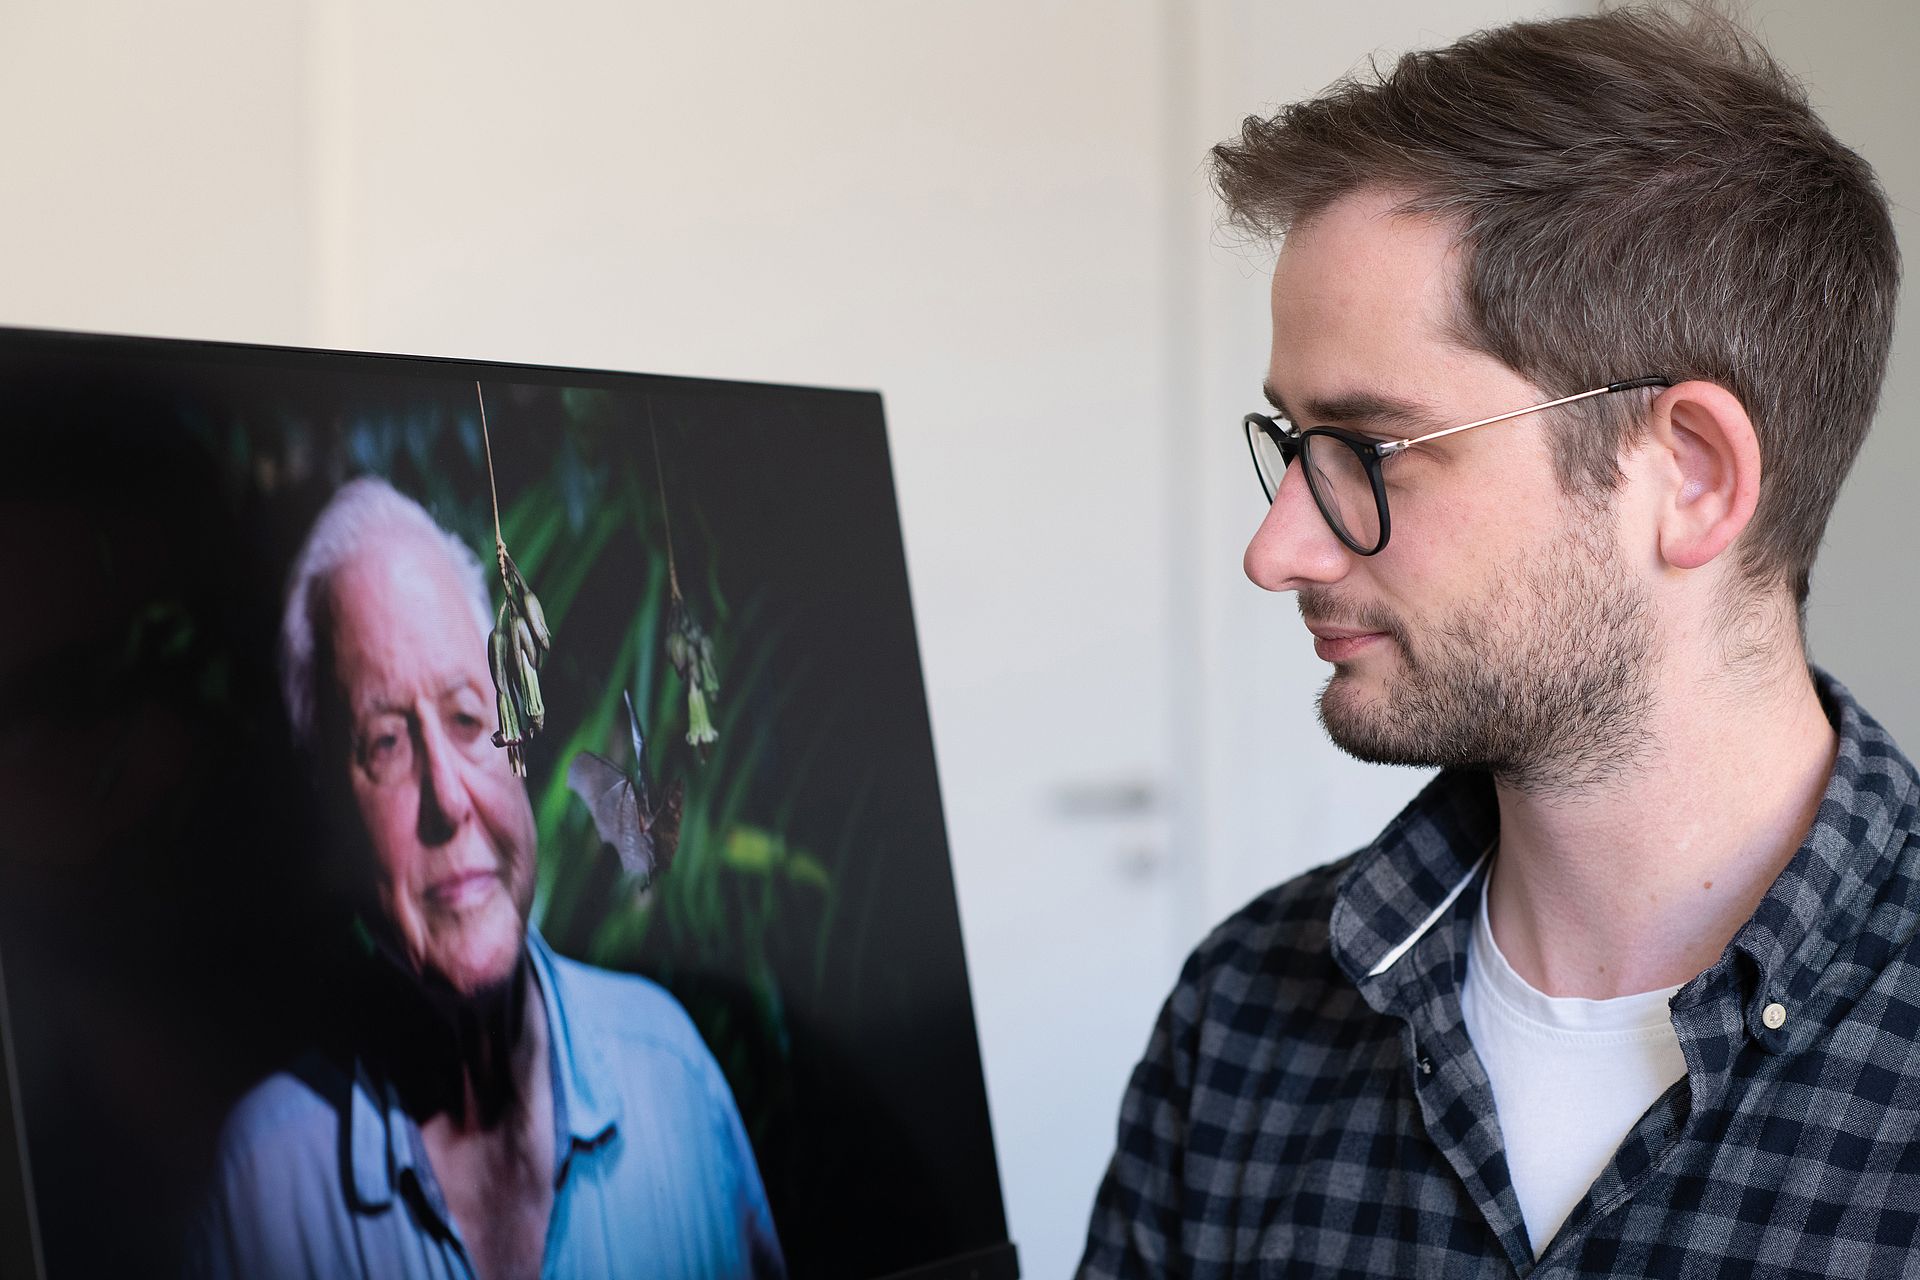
[385,749]
[466,726]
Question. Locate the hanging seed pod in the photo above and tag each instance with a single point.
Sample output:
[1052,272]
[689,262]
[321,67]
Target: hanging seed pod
[525,605]
[709,679]
[519,642]
[689,647]
[511,691]
[690,650]
[535,615]
[515,652]
[529,660]
[509,732]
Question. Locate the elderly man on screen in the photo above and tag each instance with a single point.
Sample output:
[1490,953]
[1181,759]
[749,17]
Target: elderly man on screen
[506,1112]
[1597,311]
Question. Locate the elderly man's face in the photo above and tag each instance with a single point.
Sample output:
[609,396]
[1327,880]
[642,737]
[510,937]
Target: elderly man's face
[450,825]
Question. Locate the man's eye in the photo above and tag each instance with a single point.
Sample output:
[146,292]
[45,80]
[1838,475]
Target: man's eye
[465,726]
[385,748]
[382,752]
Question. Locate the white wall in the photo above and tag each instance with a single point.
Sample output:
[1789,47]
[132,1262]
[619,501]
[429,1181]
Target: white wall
[1857,60]
[997,214]
[154,169]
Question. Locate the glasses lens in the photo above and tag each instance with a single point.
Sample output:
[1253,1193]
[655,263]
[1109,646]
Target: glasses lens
[1267,458]
[1339,481]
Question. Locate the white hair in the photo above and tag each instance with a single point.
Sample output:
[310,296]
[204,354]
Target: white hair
[351,523]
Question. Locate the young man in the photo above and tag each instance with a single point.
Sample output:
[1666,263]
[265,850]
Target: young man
[1595,314]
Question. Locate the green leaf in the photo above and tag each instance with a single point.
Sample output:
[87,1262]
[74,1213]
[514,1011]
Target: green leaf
[752,849]
[804,868]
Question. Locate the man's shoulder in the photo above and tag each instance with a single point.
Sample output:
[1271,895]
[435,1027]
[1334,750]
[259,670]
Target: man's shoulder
[291,1110]
[634,1043]
[1286,924]
[1260,988]
[610,1008]
[274,1205]
[1272,956]
[278,1161]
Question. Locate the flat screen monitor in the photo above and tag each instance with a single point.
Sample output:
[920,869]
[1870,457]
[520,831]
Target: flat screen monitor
[468,819]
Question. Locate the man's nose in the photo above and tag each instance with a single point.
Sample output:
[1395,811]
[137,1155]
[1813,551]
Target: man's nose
[444,800]
[1294,547]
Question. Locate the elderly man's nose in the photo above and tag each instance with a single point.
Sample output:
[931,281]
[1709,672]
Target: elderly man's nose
[1294,547]
[444,801]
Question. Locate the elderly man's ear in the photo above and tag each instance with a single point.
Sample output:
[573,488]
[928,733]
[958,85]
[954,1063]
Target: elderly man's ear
[1698,472]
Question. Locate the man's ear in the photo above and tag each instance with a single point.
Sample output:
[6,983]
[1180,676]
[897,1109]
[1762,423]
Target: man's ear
[1705,461]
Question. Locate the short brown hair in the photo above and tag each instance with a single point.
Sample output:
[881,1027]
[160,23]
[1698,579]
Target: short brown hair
[1637,194]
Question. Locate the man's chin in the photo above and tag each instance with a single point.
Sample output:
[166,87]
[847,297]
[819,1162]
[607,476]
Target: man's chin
[1351,707]
[478,959]
[1360,722]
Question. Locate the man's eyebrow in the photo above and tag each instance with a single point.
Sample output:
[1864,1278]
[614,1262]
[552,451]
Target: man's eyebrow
[378,704]
[382,703]
[1355,408]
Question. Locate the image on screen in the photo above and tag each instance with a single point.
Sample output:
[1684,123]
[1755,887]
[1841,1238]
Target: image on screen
[468,819]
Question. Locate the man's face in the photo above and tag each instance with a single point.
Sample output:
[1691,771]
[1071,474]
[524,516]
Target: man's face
[450,826]
[1510,630]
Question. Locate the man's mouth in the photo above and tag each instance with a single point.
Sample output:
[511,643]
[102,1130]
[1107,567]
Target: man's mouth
[462,890]
[1338,644]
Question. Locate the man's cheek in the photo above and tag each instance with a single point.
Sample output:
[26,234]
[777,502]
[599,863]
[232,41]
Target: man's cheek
[390,832]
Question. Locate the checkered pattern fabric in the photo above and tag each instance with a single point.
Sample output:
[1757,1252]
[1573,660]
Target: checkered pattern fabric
[1309,1103]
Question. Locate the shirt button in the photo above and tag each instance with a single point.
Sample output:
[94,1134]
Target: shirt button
[1774,1015]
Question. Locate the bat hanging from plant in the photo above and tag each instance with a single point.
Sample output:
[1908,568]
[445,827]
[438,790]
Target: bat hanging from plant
[689,647]
[520,640]
[643,834]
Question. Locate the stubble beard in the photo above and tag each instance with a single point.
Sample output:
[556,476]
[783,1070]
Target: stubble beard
[1548,684]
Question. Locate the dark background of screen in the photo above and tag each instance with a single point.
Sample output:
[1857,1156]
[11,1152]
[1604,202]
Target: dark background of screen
[168,930]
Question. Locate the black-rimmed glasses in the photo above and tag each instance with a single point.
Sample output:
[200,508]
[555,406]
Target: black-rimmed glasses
[1343,467]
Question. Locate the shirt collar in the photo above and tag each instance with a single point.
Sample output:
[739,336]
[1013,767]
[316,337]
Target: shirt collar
[384,1142]
[583,1115]
[1406,881]
[1825,895]
[1409,879]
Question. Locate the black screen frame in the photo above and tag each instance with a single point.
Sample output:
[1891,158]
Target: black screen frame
[20,1250]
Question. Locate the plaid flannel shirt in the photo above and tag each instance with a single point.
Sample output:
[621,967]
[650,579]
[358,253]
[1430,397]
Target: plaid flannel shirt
[1309,1103]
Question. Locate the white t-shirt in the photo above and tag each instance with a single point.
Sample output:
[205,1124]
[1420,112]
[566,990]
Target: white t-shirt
[1570,1076]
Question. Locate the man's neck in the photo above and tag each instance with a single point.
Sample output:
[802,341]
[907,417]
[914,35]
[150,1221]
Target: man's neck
[503,1066]
[494,1155]
[1639,882]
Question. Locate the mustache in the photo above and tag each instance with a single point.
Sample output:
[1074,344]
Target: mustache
[1325,605]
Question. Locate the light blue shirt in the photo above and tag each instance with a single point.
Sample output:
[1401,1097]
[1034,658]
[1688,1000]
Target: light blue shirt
[325,1177]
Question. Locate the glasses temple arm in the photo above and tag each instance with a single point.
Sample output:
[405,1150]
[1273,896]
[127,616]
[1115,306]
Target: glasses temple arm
[1395,446]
